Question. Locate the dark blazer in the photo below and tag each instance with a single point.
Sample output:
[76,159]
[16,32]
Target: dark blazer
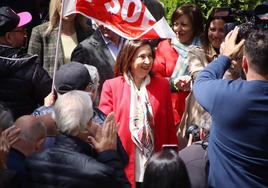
[94,51]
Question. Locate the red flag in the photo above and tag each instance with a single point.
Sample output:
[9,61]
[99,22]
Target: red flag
[128,18]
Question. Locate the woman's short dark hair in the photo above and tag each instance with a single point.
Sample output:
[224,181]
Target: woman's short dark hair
[165,169]
[195,15]
[126,54]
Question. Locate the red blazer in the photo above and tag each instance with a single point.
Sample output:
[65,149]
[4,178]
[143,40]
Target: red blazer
[165,61]
[115,96]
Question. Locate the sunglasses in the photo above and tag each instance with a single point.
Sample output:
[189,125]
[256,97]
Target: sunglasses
[24,30]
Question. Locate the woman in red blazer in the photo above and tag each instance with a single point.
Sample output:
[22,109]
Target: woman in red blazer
[171,55]
[142,106]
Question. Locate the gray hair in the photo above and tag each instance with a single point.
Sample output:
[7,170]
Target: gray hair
[94,74]
[72,112]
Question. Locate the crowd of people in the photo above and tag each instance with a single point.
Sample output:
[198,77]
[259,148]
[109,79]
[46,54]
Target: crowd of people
[190,111]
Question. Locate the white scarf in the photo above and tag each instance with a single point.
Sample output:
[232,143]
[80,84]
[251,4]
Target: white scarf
[141,116]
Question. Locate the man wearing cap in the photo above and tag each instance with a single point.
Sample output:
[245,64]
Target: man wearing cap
[76,76]
[71,76]
[99,50]
[24,83]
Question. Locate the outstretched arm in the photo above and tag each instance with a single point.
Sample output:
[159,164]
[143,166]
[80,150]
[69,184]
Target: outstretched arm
[208,84]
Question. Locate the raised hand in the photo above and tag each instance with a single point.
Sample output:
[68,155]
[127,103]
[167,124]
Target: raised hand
[7,139]
[50,99]
[106,135]
[229,47]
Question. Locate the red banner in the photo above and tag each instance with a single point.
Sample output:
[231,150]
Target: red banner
[128,18]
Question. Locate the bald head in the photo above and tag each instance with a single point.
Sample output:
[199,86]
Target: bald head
[49,123]
[31,128]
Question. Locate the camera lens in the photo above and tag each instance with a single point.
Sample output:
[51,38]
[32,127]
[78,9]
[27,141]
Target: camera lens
[194,130]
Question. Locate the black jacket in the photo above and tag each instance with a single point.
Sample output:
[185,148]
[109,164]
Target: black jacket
[196,162]
[23,83]
[72,163]
[94,51]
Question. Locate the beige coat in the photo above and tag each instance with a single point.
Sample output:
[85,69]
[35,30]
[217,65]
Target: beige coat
[194,113]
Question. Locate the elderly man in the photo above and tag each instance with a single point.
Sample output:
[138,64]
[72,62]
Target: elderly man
[72,161]
[31,138]
[8,136]
[76,76]
[238,150]
[24,83]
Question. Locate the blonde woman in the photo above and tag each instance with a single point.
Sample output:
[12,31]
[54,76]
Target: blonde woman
[43,38]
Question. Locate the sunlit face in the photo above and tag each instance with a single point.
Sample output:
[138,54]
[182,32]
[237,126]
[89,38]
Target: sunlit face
[183,29]
[216,33]
[142,62]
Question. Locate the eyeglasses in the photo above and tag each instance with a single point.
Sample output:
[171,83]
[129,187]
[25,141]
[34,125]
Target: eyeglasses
[24,30]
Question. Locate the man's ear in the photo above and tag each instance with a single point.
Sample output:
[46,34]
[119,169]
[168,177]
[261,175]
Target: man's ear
[245,64]
[8,38]
[39,144]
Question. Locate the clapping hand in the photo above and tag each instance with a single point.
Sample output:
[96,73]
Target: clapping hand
[7,139]
[105,137]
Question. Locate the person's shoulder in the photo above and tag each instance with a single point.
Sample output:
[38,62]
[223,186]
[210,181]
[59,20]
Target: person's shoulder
[24,59]
[41,27]
[115,81]
[199,53]
[194,150]
[92,40]
[165,48]
[164,43]
[196,49]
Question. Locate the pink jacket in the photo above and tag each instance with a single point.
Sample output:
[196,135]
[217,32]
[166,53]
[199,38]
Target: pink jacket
[115,96]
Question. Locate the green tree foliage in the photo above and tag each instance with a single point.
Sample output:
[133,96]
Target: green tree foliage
[208,5]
